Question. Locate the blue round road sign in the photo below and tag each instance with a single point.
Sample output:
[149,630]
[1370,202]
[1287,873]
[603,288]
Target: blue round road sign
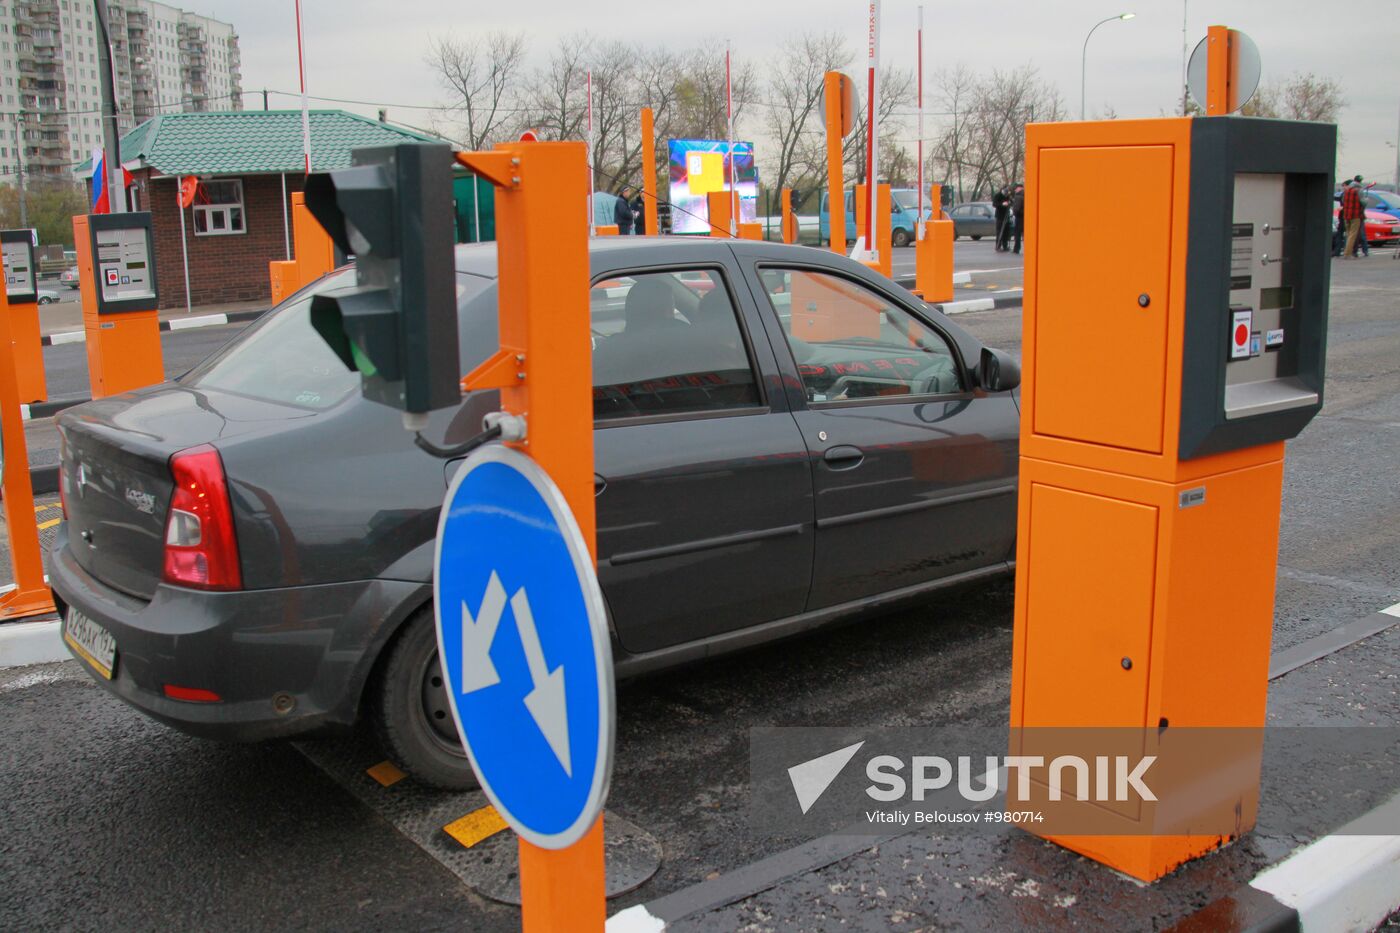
[523,639]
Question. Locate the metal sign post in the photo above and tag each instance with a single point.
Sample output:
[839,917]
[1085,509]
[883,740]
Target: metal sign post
[520,620]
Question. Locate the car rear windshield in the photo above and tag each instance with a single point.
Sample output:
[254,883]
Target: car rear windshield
[283,359]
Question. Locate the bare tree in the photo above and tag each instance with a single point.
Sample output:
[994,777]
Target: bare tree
[795,98]
[1300,96]
[479,75]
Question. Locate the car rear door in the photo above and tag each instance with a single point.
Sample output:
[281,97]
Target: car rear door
[914,471]
[704,493]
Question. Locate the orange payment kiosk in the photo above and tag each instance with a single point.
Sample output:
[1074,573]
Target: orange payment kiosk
[117,275]
[1162,374]
[22,293]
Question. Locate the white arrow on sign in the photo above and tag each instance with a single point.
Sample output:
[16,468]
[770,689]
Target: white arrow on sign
[546,702]
[477,635]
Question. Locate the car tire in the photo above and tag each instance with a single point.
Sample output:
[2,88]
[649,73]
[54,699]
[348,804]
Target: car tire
[976,236]
[411,714]
[44,301]
[901,238]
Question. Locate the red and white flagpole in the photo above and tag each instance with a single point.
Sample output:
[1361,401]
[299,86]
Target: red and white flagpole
[592,220]
[919,226]
[729,115]
[305,111]
[869,245]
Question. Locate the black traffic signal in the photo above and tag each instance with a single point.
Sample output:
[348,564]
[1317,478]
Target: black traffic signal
[398,324]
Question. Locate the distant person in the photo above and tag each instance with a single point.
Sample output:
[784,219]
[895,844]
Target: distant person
[639,214]
[622,211]
[1362,243]
[1001,202]
[1353,213]
[1018,211]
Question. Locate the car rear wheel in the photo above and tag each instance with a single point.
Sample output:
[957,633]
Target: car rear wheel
[901,237]
[411,713]
[977,236]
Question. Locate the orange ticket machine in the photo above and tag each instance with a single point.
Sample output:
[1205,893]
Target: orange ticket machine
[22,293]
[1162,374]
[117,279]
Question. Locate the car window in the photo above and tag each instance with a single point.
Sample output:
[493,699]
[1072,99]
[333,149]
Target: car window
[668,343]
[963,211]
[281,358]
[850,342]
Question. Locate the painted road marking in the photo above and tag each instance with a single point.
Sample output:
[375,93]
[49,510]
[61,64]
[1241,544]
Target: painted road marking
[1392,610]
[386,773]
[476,826]
[49,524]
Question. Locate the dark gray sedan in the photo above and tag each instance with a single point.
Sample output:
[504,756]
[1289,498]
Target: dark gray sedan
[974,219]
[784,439]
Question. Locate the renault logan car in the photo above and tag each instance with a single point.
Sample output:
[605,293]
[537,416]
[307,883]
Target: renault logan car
[783,439]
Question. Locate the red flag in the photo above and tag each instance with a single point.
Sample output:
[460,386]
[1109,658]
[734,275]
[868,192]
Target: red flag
[189,184]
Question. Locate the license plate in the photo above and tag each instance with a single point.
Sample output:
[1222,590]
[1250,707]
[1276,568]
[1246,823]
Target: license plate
[91,642]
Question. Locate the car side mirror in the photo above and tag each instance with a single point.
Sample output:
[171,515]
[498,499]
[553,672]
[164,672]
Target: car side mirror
[998,371]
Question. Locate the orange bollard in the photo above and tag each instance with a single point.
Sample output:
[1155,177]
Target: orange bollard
[1222,71]
[719,204]
[933,255]
[31,594]
[789,219]
[753,231]
[839,112]
[653,219]
[606,230]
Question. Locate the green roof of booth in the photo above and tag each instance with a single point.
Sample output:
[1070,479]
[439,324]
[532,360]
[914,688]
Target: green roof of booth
[245,142]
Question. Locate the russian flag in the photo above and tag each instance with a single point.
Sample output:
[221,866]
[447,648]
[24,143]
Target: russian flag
[101,204]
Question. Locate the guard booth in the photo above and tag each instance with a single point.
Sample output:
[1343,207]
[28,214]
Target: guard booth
[1162,374]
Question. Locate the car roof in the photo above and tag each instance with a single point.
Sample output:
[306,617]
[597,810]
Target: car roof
[480,258]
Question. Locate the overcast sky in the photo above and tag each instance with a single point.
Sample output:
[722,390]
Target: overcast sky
[373,50]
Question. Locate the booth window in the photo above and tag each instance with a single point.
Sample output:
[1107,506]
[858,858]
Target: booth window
[218,208]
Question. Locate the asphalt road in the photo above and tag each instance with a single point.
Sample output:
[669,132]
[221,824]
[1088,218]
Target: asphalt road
[115,822]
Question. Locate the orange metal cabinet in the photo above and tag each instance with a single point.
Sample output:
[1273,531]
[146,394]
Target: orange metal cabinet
[122,334]
[1152,459]
[720,206]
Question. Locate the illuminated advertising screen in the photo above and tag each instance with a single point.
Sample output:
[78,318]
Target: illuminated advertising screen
[699,166]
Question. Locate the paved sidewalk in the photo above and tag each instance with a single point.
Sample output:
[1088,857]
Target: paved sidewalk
[67,316]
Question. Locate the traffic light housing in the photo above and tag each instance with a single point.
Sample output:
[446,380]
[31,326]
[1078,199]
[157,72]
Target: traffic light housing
[397,326]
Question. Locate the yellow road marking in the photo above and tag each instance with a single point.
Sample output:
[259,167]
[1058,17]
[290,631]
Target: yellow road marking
[386,773]
[49,524]
[475,826]
[47,505]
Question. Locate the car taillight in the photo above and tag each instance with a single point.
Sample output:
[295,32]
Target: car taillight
[200,547]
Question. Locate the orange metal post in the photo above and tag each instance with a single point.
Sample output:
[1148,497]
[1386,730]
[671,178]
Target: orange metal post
[883,231]
[544,336]
[719,203]
[28,352]
[123,350]
[835,174]
[789,219]
[1222,69]
[933,255]
[860,210]
[30,595]
[653,217]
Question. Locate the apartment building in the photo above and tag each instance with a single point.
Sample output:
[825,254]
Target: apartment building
[164,60]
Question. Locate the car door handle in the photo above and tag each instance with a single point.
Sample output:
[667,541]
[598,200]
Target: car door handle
[844,457]
[599,484]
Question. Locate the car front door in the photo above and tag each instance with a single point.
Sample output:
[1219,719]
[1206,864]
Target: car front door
[914,470]
[704,494]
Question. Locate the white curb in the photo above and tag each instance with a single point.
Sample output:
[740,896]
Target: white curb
[962,307]
[204,320]
[72,336]
[25,643]
[1341,882]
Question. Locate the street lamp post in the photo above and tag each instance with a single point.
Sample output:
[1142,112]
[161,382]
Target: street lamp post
[1084,58]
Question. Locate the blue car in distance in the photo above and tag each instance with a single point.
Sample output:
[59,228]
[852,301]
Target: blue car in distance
[904,212]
